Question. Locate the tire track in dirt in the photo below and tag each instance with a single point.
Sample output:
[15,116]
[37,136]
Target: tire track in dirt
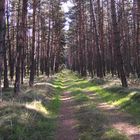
[67,124]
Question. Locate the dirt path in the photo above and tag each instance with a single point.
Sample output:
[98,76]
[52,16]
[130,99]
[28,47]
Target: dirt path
[67,123]
[73,103]
[121,121]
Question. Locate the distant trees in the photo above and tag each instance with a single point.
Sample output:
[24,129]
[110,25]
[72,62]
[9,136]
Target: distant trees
[104,38]
[2,37]
[31,40]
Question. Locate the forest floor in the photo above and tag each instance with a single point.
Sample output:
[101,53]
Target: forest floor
[33,114]
[68,107]
[95,115]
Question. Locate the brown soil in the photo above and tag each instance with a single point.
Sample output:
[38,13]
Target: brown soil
[119,120]
[67,124]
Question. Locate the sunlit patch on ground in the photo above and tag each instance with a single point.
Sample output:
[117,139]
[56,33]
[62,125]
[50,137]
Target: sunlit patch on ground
[37,106]
[93,124]
[32,115]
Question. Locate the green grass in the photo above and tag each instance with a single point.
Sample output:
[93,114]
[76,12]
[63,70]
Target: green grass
[93,124]
[55,105]
[33,115]
[127,100]
[112,134]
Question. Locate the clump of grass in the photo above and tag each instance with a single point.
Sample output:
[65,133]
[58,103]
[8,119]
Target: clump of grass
[98,81]
[54,105]
[124,98]
[81,97]
[112,134]
[38,106]
[32,116]
[94,125]
[91,122]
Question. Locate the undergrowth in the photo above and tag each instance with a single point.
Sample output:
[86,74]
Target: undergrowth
[127,99]
[32,115]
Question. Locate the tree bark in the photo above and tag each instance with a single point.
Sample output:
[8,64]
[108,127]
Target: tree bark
[117,45]
[2,38]
[32,67]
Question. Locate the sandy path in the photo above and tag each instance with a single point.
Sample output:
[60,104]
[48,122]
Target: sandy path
[67,123]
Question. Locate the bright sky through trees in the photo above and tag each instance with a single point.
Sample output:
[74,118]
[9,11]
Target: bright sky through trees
[65,7]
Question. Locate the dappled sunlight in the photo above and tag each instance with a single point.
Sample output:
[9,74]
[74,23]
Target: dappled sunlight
[67,98]
[77,90]
[113,134]
[43,84]
[124,98]
[106,106]
[96,107]
[127,128]
[103,95]
[32,114]
[83,105]
[115,82]
[91,88]
[37,106]
[83,92]
[120,102]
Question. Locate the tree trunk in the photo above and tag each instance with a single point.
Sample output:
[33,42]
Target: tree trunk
[99,59]
[32,67]
[18,54]
[2,38]
[117,45]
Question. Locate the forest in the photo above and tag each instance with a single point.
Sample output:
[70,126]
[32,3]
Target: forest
[69,69]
